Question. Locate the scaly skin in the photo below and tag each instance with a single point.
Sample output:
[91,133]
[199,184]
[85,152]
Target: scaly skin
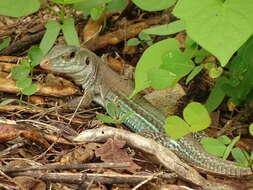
[103,85]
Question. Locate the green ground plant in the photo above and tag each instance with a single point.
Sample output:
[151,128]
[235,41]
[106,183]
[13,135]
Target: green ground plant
[114,114]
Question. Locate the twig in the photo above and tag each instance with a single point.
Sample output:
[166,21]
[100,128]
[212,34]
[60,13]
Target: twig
[146,180]
[11,180]
[23,43]
[121,34]
[11,148]
[79,178]
[65,167]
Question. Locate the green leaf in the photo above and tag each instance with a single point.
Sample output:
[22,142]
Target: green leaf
[125,116]
[112,110]
[213,146]
[240,83]
[30,90]
[188,41]
[217,95]
[24,82]
[53,29]
[133,42]
[116,5]
[196,115]
[209,65]
[166,29]
[18,8]
[19,72]
[36,55]
[5,43]
[160,79]
[240,156]
[190,51]
[144,36]
[65,2]
[251,129]
[104,118]
[201,55]
[177,62]
[7,101]
[25,62]
[175,127]
[87,5]
[220,27]
[215,72]
[194,72]
[96,12]
[152,58]
[69,32]
[230,146]
[154,5]
[224,139]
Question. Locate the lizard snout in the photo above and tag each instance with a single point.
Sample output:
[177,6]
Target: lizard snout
[44,63]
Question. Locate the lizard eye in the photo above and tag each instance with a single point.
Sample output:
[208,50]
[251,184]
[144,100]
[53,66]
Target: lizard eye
[69,56]
[87,61]
[72,55]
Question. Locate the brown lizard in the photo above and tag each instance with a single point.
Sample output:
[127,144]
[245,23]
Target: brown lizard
[103,85]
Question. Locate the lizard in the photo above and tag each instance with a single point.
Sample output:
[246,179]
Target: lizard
[102,85]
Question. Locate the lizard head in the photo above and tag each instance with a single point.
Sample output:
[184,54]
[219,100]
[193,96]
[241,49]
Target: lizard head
[66,59]
[77,63]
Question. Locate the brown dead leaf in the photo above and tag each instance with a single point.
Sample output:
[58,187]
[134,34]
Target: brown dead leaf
[181,39]
[130,30]
[92,28]
[8,132]
[19,163]
[210,59]
[112,151]
[130,50]
[215,116]
[80,155]
[30,183]
[115,64]
[36,99]
[97,187]
[56,87]
[34,136]
[246,144]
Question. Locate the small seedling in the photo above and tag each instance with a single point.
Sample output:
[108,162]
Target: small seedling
[223,146]
[115,114]
[22,73]
[196,118]
[142,39]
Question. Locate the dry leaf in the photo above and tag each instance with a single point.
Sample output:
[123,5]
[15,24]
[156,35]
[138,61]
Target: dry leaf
[112,151]
[34,136]
[80,155]
[30,183]
[8,132]
[92,28]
